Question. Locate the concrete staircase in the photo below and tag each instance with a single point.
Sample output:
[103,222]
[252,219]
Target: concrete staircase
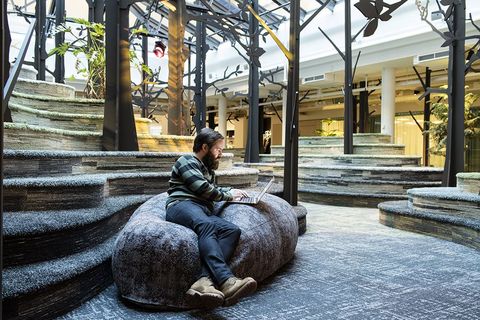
[48,116]
[449,213]
[63,210]
[376,172]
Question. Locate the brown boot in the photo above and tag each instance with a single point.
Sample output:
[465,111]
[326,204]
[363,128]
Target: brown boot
[234,289]
[202,294]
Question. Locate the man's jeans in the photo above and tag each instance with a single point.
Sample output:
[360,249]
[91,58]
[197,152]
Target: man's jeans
[217,238]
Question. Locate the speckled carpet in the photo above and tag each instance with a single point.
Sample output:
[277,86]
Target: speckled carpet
[347,266]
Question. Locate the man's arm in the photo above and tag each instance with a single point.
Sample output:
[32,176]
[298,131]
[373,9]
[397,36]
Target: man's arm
[194,180]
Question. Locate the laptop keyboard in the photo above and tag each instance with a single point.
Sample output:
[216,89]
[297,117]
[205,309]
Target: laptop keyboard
[247,200]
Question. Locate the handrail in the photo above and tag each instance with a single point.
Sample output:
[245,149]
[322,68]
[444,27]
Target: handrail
[12,79]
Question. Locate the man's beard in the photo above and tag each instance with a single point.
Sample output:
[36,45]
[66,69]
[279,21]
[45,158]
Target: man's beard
[210,162]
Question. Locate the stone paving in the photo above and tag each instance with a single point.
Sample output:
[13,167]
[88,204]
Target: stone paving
[347,266]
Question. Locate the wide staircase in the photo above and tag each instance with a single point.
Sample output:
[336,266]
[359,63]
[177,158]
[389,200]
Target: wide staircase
[377,171]
[48,116]
[449,213]
[63,209]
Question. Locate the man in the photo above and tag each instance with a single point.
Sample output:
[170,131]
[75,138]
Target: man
[190,203]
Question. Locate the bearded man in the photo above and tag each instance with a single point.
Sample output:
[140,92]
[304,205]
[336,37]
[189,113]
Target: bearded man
[190,203]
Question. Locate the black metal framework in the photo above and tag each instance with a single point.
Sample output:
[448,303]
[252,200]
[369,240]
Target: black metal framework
[373,11]
[200,91]
[363,108]
[454,16]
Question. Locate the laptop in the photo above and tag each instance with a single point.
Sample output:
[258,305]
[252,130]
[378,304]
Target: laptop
[256,199]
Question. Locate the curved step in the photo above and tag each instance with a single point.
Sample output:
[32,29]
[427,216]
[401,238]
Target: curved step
[27,194]
[48,289]
[57,104]
[469,182]
[358,187]
[57,120]
[351,159]
[371,173]
[448,201]
[355,173]
[397,214]
[381,149]
[29,137]
[43,235]
[36,163]
[346,199]
[44,88]
[237,177]
[358,138]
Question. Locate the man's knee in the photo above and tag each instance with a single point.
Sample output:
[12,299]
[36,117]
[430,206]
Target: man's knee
[205,227]
[236,232]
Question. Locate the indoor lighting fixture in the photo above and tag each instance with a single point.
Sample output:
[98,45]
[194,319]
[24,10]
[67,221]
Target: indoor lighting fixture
[159,49]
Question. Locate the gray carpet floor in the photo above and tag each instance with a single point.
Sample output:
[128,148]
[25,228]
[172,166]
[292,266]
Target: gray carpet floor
[347,266]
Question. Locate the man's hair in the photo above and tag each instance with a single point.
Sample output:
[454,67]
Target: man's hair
[206,136]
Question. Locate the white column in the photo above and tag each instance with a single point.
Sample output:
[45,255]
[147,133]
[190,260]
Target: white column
[222,116]
[388,102]
[284,115]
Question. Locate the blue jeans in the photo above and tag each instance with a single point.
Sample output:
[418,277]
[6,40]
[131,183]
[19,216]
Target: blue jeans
[217,238]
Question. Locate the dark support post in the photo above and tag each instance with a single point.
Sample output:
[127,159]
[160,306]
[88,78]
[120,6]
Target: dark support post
[290,175]
[211,119]
[40,53]
[177,111]
[144,76]
[6,41]
[3,13]
[261,128]
[348,108]
[426,119]
[252,149]
[59,39]
[200,97]
[96,9]
[455,155]
[119,125]
[354,112]
[363,114]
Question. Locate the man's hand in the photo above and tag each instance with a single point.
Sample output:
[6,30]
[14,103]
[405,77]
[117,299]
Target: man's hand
[238,194]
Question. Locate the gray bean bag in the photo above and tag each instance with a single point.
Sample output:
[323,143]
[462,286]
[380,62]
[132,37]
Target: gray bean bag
[155,261]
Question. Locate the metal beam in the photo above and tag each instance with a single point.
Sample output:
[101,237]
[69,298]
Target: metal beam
[455,153]
[3,65]
[40,52]
[59,73]
[119,124]
[363,114]
[426,119]
[348,100]
[200,97]
[253,149]
[290,175]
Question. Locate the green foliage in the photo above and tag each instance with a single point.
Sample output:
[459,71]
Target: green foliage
[88,44]
[326,132]
[438,128]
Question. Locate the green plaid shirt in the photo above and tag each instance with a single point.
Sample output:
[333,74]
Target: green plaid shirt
[193,181]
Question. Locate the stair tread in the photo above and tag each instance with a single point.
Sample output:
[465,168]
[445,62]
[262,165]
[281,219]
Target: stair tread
[22,280]
[373,181]
[54,114]
[445,193]
[8,125]
[347,156]
[365,195]
[27,223]
[402,208]
[58,99]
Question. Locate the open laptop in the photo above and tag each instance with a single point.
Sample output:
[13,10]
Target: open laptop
[256,199]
